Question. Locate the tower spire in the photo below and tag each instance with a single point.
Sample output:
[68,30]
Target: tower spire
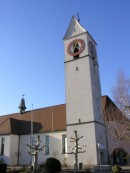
[22,106]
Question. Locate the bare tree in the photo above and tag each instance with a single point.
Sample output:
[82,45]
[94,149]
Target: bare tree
[117,115]
[114,120]
[117,127]
[34,150]
[121,93]
[76,149]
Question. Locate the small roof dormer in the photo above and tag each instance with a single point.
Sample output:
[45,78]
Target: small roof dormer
[74,29]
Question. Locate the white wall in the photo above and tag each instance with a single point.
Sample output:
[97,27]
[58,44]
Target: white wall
[14,144]
[6,156]
[55,147]
[10,149]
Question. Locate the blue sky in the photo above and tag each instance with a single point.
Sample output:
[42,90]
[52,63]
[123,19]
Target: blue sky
[32,50]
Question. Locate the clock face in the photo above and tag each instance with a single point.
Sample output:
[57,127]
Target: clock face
[76,47]
[92,50]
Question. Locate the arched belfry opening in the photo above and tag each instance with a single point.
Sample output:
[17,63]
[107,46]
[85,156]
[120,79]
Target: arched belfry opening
[22,106]
[76,50]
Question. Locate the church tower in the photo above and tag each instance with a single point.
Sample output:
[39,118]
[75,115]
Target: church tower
[83,95]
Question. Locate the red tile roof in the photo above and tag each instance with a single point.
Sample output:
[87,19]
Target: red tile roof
[42,119]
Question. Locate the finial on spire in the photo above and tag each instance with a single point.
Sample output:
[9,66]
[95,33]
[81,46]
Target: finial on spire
[22,106]
[78,17]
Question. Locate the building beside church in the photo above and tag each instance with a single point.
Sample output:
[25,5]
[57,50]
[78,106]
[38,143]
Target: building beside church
[84,111]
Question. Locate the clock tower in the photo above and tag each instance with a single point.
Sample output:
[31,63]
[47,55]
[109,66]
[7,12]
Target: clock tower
[83,95]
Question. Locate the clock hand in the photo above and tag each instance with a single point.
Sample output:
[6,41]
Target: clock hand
[76,45]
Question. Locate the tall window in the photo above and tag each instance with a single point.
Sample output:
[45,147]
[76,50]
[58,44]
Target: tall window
[47,144]
[2,146]
[64,145]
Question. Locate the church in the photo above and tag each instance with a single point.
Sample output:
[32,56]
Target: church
[95,119]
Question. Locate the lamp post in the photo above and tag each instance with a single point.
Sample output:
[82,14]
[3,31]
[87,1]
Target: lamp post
[101,148]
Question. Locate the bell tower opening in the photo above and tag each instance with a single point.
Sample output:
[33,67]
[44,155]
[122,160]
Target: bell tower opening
[76,50]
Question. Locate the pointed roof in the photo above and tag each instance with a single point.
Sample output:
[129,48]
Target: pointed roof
[74,26]
[111,111]
[22,106]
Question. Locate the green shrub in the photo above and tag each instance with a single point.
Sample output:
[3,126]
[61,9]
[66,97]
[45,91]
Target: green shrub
[116,168]
[52,165]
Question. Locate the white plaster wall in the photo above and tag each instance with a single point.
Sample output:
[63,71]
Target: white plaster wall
[14,144]
[78,91]
[55,147]
[83,90]
[101,138]
[89,139]
[6,156]
[10,149]
[92,133]
[96,91]
[24,157]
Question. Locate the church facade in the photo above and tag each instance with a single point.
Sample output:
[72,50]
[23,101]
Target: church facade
[83,112]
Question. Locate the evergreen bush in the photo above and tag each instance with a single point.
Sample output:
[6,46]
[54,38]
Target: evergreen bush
[3,167]
[116,168]
[52,165]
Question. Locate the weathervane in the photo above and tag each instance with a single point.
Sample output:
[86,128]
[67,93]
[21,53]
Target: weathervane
[78,17]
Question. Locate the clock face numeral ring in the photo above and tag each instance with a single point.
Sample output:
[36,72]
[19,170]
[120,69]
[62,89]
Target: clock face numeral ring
[76,47]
